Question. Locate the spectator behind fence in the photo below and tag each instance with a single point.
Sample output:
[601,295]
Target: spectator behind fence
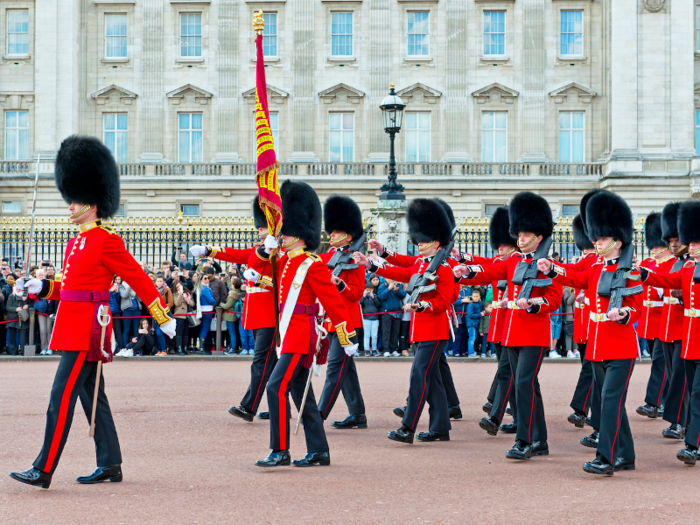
[217,286]
[182,262]
[17,311]
[167,296]
[183,302]
[115,309]
[405,331]
[567,305]
[247,343]
[143,343]
[487,349]
[4,296]
[131,310]
[474,309]
[555,322]
[228,315]
[370,304]
[205,310]
[45,314]
[391,295]
[459,345]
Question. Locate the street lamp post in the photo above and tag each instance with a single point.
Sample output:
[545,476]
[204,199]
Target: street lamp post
[392,111]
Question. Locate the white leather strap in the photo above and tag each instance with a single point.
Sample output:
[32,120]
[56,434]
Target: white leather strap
[292,298]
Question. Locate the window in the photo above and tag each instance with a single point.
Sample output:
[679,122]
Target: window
[116,134]
[17,31]
[190,210]
[494,130]
[342,137]
[571,33]
[495,33]
[115,36]
[341,34]
[12,207]
[121,212]
[274,129]
[490,209]
[418,33]
[697,131]
[270,35]
[570,137]
[190,34]
[569,210]
[190,137]
[697,28]
[17,135]
[417,137]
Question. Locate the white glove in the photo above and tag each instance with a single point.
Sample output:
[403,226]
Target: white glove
[169,328]
[30,285]
[351,350]
[270,244]
[251,275]
[198,251]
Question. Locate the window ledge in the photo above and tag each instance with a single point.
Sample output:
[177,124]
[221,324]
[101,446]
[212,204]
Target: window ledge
[190,60]
[342,59]
[115,2]
[420,1]
[266,59]
[339,1]
[115,60]
[417,60]
[571,58]
[14,58]
[190,1]
[494,59]
[265,1]
[487,1]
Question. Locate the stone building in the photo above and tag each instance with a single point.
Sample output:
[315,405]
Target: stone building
[557,96]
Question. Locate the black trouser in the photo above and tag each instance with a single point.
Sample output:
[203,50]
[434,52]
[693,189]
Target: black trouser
[612,381]
[405,335]
[75,377]
[525,364]
[118,327]
[146,344]
[181,326]
[494,385]
[505,392]
[426,385]
[581,401]
[289,376]
[657,387]
[390,333]
[692,370]
[676,405]
[447,381]
[341,375]
[261,368]
[12,343]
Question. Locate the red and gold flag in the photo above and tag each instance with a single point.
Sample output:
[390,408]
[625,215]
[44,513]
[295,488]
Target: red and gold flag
[268,185]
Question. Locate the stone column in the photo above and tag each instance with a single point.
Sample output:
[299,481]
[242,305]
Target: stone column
[152,63]
[391,227]
[682,70]
[45,81]
[379,65]
[68,23]
[534,96]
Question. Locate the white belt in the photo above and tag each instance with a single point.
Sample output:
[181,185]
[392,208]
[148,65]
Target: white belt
[671,300]
[587,301]
[691,312]
[653,304]
[256,289]
[599,318]
[513,305]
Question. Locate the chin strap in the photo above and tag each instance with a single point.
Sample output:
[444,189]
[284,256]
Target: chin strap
[290,243]
[80,212]
[607,248]
[528,243]
[426,247]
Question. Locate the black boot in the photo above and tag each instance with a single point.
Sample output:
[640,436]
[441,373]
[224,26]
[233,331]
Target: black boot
[101,474]
[455,412]
[275,459]
[675,431]
[402,435]
[523,450]
[510,428]
[433,436]
[648,411]
[180,351]
[399,412]
[591,441]
[356,421]
[623,464]
[577,419]
[316,458]
[486,407]
[242,412]
[264,415]
[489,425]
[599,466]
[688,455]
[33,477]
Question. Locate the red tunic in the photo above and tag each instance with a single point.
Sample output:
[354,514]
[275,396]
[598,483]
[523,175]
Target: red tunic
[606,339]
[671,328]
[582,313]
[683,280]
[91,261]
[649,325]
[432,323]
[259,304]
[520,327]
[407,261]
[351,291]
[317,285]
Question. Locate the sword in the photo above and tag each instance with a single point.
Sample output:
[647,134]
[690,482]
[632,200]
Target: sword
[31,228]
[103,317]
[303,399]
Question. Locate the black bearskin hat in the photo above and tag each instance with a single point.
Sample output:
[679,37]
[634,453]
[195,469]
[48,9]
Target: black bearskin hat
[499,229]
[582,207]
[428,221]
[689,222]
[669,221]
[343,214]
[85,172]
[259,218]
[580,238]
[608,215]
[528,212]
[301,213]
[448,211]
[652,231]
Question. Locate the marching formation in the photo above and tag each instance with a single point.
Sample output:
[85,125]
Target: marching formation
[304,310]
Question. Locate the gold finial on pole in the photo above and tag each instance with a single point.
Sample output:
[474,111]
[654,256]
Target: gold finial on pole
[391,86]
[258,22]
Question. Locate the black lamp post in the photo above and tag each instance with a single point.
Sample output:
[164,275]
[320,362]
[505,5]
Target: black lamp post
[392,112]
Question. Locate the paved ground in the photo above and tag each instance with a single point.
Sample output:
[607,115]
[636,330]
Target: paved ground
[186,460]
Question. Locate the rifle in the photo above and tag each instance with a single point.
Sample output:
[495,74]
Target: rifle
[424,283]
[614,284]
[526,273]
[343,261]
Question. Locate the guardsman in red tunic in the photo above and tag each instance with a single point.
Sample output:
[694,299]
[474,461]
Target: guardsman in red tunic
[502,242]
[88,179]
[612,341]
[304,279]
[687,280]
[430,228]
[258,316]
[671,331]
[649,325]
[527,328]
[342,219]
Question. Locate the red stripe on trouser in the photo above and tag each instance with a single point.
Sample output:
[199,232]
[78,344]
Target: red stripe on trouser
[337,383]
[585,401]
[267,360]
[63,411]
[661,390]
[680,407]
[532,405]
[425,382]
[619,413]
[282,399]
[505,399]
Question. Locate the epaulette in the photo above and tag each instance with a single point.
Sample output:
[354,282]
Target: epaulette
[689,264]
[597,263]
[315,257]
[519,254]
[108,229]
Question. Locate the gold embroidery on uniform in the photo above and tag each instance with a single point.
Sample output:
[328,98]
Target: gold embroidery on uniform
[343,335]
[90,225]
[214,250]
[264,280]
[159,313]
[108,230]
